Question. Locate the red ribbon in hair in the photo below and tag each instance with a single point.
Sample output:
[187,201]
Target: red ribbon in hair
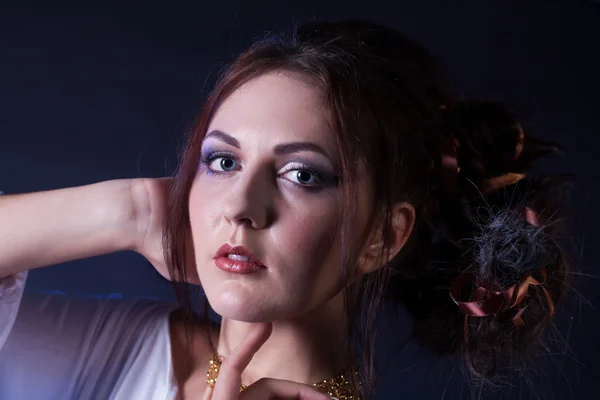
[484,300]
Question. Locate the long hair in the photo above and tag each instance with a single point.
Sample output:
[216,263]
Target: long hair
[389,107]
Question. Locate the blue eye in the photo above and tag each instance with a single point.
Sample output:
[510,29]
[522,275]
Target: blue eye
[299,174]
[225,164]
[220,162]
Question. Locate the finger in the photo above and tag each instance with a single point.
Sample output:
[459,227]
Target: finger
[230,372]
[207,393]
[279,389]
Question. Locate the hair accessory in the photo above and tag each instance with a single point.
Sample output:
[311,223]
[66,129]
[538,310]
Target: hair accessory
[485,299]
[450,164]
[520,142]
[531,217]
[498,182]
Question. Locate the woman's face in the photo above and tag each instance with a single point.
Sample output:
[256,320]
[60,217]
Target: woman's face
[268,182]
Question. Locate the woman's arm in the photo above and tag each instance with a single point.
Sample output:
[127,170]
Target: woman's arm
[83,347]
[51,227]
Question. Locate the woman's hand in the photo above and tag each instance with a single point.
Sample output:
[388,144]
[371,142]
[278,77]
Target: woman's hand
[230,376]
[151,199]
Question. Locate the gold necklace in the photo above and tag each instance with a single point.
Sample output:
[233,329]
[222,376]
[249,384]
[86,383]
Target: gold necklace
[338,386]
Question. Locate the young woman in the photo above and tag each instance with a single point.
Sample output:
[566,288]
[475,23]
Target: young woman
[329,171]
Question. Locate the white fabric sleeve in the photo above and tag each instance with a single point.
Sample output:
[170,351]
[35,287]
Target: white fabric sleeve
[11,292]
[77,348]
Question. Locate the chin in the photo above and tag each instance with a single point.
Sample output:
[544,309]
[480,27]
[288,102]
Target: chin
[240,306]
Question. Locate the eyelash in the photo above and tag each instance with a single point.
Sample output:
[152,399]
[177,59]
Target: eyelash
[205,160]
[321,180]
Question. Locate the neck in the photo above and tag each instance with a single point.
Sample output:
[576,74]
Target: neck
[306,349]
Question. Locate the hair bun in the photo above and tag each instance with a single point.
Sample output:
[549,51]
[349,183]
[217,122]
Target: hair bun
[482,245]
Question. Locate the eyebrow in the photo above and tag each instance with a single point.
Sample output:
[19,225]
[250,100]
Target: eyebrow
[280,149]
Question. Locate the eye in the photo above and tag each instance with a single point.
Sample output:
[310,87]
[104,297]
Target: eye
[304,177]
[223,164]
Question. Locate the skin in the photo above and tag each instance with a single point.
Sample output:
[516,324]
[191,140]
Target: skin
[248,193]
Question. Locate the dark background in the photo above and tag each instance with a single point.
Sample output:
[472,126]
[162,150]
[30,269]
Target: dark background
[98,91]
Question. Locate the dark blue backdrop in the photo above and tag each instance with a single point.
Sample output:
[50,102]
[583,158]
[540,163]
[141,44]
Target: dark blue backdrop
[95,92]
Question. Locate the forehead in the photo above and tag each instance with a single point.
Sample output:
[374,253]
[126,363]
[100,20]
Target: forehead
[279,106]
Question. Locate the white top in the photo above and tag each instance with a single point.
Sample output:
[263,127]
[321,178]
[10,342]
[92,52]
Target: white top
[53,347]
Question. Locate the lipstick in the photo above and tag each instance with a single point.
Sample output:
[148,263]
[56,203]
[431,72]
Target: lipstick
[238,260]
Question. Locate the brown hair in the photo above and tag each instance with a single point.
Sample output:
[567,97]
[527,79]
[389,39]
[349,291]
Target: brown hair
[389,107]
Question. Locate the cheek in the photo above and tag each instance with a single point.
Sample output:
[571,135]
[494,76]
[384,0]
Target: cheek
[306,235]
[204,209]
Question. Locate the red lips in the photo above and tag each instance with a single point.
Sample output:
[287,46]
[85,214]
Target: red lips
[222,260]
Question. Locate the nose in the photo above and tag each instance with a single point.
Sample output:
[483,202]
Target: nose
[249,202]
